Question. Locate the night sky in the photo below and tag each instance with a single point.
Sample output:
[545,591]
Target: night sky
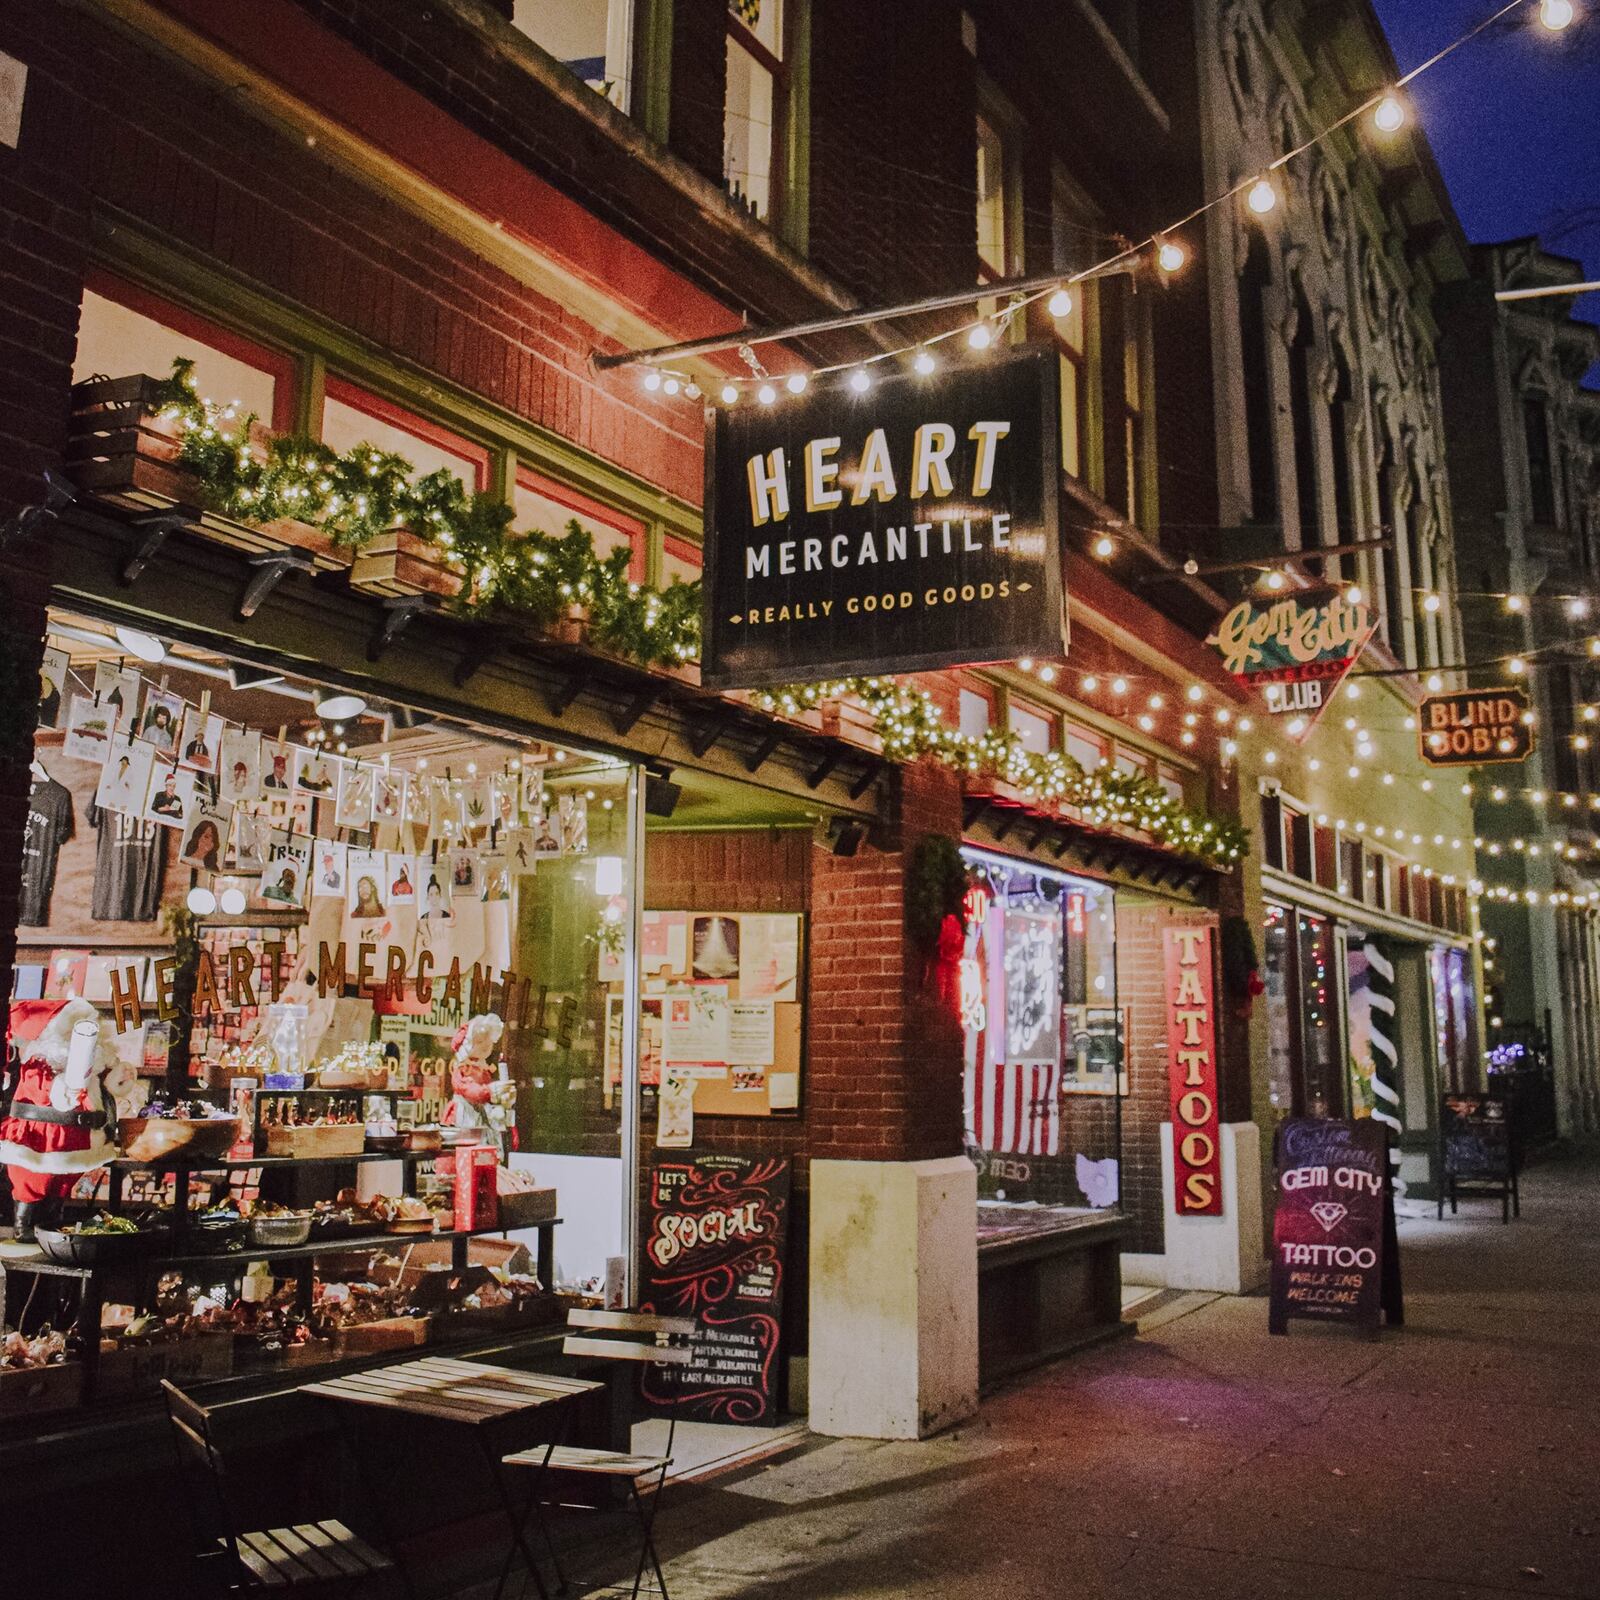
[1514,119]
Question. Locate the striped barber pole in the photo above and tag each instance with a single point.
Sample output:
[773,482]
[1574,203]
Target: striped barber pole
[1385,1058]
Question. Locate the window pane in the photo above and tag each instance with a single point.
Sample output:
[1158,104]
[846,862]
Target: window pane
[991,201]
[1035,729]
[764,18]
[1319,1011]
[1277,974]
[679,561]
[975,714]
[747,131]
[592,39]
[116,342]
[345,425]
[540,508]
[1087,749]
[1071,417]
[1131,761]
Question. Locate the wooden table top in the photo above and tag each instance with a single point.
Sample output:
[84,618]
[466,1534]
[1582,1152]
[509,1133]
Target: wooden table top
[451,1391]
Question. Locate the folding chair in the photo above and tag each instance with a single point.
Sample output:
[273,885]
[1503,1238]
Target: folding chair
[323,1557]
[667,1348]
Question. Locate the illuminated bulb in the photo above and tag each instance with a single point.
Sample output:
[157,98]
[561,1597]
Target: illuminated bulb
[201,901]
[1577,606]
[1262,197]
[1060,304]
[1432,603]
[1186,737]
[1556,14]
[1590,713]
[1224,716]
[1314,764]
[1390,114]
[1047,674]
[1513,602]
[670,386]
[979,336]
[1353,772]
[233,901]
[766,394]
[923,362]
[1353,691]
[1297,727]
[1435,682]
[730,394]
[1026,663]
[1195,692]
[692,389]
[1104,546]
[1516,666]
[1271,758]
[1119,686]
[1171,256]
[1229,747]
[652,380]
[1245,724]
[796,382]
[1147,723]
[1352,596]
[1156,702]
[859,381]
[1089,684]
[1276,580]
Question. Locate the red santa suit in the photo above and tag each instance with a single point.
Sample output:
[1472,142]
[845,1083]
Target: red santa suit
[62,1119]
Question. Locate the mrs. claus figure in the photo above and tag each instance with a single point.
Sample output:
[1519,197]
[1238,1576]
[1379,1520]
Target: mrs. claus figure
[62,1120]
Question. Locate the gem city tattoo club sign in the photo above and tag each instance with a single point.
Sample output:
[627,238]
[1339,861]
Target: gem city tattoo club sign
[910,526]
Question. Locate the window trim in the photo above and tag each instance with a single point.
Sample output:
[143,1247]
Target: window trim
[280,365]
[382,409]
[637,529]
[782,159]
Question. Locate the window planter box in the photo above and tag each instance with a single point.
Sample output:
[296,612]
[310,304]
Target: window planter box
[123,453]
[399,563]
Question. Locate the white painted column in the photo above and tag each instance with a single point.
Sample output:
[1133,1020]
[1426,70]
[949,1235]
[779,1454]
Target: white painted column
[894,1297]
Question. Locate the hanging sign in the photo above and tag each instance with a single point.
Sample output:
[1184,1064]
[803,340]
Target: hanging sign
[1335,1254]
[912,525]
[1192,1071]
[1294,649]
[714,1251]
[1476,727]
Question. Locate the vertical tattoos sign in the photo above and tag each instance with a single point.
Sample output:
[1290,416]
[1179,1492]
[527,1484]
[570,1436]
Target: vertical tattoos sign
[1192,1072]
[714,1251]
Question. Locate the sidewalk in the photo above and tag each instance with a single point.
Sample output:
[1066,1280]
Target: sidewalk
[1459,1456]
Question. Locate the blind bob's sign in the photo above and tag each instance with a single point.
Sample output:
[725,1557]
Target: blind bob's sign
[911,526]
[1476,728]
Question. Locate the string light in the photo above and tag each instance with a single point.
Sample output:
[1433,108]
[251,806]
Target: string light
[652,380]
[923,362]
[1104,546]
[1514,602]
[766,394]
[980,336]
[1170,256]
[1556,14]
[1275,580]
[1389,116]
[1432,603]
[670,386]
[796,382]
[1060,303]
[1262,197]
[860,380]
[730,394]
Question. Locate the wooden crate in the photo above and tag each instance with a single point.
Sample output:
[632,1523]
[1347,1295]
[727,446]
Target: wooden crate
[136,1369]
[330,1139]
[400,563]
[525,1207]
[31,1390]
[123,453]
[392,1333]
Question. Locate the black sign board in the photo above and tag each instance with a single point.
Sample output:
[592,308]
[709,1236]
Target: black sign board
[1478,1151]
[1476,728]
[714,1251]
[911,525]
[1335,1255]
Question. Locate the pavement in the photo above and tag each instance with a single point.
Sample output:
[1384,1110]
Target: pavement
[1458,1456]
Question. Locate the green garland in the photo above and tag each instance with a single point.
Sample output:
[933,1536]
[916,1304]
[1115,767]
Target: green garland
[356,495]
[910,724]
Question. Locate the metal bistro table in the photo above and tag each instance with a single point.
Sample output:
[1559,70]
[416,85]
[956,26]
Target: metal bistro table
[470,1395]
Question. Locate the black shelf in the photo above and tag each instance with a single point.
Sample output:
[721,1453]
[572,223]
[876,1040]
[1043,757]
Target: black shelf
[231,1163]
[332,1247]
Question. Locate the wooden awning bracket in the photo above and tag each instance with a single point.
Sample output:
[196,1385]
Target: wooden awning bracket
[155,529]
[400,612]
[269,571]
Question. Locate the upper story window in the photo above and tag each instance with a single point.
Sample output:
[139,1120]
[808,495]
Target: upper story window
[1075,241]
[124,330]
[994,254]
[1035,729]
[1541,466]
[592,39]
[549,507]
[681,561]
[353,416]
[1132,423]
[1085,747]
[976,713]
[756,106]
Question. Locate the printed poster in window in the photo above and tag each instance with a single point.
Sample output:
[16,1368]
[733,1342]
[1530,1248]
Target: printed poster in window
[125,778]
[283,881]
[89,727]
[716,948]
[239,774]
[770,958]
[389,796]
[53,690]
[327,870]
[117,688]
[1031,976]
[696,1024]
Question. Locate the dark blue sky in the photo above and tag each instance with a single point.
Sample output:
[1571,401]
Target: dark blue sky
[1514,119]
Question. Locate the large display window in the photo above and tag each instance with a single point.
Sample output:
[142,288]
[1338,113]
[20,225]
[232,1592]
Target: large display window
[1046,1039]
[323,983]
[1306,1067]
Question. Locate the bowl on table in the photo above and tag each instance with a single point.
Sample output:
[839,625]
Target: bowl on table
[278,1232]
[73,1249]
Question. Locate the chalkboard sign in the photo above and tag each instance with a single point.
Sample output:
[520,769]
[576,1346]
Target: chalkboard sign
[1335,1254]
[714,1251]
[1478,1152]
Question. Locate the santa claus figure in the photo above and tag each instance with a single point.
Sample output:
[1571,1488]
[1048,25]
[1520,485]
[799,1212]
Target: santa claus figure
[62,1121]
[483,1097]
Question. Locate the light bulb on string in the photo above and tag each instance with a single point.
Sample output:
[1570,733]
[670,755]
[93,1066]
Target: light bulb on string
[979,336]
[1060,303]
[652,380]
[796,383]
[1105,546]
[923,362]
[1352,596]
[1432,603]
[670,386]
[1556,15]
[1513,602]
[1516,666]
[730,394]
[1275,580]
[860,381]
[1389,115]
[1262,196]
[766,394]
[1171,256]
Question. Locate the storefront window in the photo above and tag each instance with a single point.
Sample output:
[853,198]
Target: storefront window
[1454,1015]
[366,933]
[1303,1023]
[352,416]
[1045,1036]
[551,508]
[592,39]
